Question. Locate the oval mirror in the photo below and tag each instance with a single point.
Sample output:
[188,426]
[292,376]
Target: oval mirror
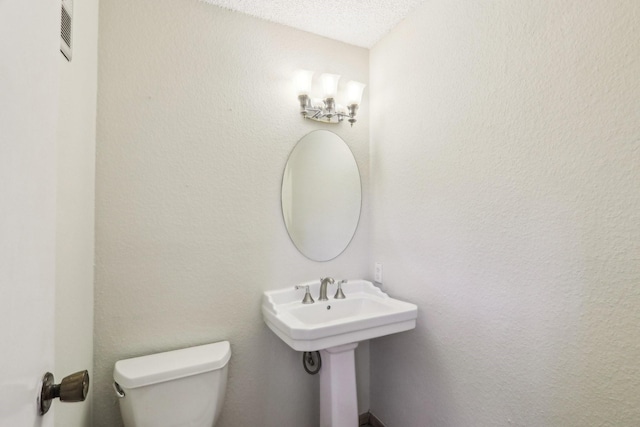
[321,195]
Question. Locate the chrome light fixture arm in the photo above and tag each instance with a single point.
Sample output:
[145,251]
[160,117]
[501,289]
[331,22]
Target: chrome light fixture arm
[327,113]
[327,110]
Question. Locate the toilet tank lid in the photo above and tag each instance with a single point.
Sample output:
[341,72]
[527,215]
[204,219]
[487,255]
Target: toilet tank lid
[171,365]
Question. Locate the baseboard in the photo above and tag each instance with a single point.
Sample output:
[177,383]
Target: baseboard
[368,419]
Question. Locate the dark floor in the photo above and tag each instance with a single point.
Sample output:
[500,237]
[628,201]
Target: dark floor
[369,420]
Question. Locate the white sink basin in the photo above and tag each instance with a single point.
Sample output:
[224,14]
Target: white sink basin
[365,313]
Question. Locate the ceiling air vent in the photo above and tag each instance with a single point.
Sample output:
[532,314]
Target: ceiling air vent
[65,28]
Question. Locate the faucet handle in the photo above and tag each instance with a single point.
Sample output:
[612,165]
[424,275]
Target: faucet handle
[307,295]
[339,294]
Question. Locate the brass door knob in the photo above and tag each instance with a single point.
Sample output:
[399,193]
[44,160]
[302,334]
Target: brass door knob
[73,388]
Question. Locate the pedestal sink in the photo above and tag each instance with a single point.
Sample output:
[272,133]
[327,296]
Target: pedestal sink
[335,328]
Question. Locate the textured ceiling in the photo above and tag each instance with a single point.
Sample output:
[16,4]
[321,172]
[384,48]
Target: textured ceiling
[358,22]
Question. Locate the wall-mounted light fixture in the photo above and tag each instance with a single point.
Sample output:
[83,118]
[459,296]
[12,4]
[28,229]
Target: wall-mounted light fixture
[326,109]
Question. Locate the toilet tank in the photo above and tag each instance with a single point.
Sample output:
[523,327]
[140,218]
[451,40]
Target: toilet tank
[177,388]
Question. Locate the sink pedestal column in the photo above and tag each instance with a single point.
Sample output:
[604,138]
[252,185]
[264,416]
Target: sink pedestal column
[338,396]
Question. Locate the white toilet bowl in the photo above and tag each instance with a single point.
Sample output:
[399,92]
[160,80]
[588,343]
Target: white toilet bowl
[173,389]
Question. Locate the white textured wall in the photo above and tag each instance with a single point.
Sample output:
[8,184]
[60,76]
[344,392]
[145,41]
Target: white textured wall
[505,175]
[196,119]
[75,209]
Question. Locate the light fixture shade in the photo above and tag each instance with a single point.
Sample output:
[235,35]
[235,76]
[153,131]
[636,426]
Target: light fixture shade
[329,85]
[302,81]
[354,92]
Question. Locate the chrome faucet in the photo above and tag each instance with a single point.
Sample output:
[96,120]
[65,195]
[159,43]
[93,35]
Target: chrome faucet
[323,288]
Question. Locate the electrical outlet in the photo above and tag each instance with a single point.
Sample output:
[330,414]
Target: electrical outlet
[377,276]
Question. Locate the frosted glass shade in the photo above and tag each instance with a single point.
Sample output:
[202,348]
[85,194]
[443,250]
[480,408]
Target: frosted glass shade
[329,85]
[302,81]
[354,92]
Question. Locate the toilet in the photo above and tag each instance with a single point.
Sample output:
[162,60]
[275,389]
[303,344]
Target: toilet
[177,388]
